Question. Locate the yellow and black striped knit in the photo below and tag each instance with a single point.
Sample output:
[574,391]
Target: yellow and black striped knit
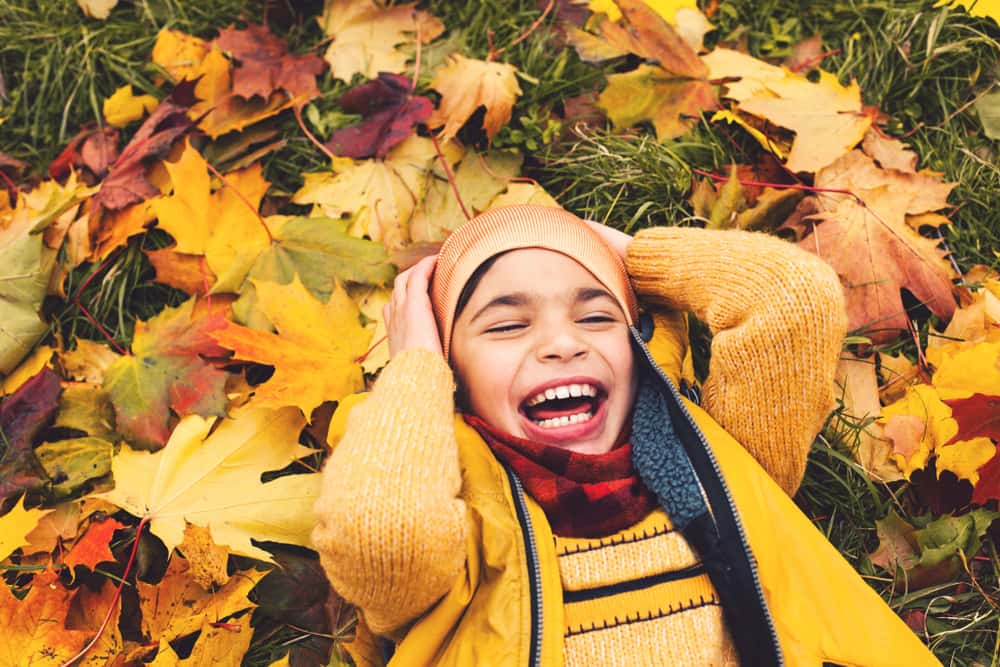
[627,594]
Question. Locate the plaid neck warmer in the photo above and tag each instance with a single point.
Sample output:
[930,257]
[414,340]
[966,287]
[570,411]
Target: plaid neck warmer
[583,495]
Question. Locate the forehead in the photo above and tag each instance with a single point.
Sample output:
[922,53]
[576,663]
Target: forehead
[533,270]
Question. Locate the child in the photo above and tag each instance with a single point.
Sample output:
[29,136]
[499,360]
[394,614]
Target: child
[580,510]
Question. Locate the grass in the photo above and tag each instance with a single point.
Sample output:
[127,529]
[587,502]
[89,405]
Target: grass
[923,66]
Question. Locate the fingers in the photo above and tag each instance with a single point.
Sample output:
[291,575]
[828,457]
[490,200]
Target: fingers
[408,315]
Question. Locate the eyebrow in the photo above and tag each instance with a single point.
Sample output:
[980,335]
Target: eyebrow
[515,299]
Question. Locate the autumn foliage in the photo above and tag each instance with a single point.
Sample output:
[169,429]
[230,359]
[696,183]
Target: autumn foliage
[185,463]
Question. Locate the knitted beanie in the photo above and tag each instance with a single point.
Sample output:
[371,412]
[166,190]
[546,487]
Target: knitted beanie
[516,227]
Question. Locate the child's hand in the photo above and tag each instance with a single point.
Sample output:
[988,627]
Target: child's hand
[408,316]
[617,240]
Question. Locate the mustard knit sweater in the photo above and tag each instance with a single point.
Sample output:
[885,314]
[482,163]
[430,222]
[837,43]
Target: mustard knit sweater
[391,526]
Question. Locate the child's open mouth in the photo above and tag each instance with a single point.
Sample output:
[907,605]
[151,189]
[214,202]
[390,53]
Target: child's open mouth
[563,405]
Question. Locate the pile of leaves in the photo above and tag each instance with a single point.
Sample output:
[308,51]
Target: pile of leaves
[157,479]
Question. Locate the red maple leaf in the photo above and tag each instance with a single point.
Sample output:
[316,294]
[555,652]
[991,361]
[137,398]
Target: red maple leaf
[988,486]
[93,148]
[94,547]
[977,416]
[127,184]
[265,65]
[390,112]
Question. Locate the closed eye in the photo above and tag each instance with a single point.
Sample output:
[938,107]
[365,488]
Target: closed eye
[505,328]
[597,319]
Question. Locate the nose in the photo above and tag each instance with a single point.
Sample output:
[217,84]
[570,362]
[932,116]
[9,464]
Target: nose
[559,343]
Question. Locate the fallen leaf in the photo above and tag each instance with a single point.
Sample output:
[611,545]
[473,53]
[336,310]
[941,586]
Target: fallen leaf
[87,361]
[92,147]
[965,457]
[889,153]
[369,39]
[188,273]
[858,391]
[370,301]
[465,85]
[918,425]
[94,546]
[124,106]
[390,112]
[207,561]
[877,254]
[315,352]
[988,108]
[127,182]
[673,105]
[40,358]
[378,196]
[166,372]
[86,408]
[221,645]
[113,229]
[209,473]
[479,178]
[806,54]
[224,225]
[15,526]
[974,7]
[988,487]
[266,66]
[897,546]
[178,606]
[977,416]
[97,9]
[962,370]
[35,631]
[524,193]
[23,414]
[179,53]
[74,463]
[897,373]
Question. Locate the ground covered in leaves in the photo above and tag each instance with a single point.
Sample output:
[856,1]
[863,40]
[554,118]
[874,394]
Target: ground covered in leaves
[202,206]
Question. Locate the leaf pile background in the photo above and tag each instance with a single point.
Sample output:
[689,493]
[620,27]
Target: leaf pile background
[193,279]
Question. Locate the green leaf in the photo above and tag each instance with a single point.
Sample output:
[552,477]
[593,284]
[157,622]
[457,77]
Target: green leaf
[988,107]
[73,463]
[87,408]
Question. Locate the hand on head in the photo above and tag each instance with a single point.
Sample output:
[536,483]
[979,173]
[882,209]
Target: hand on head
[616,240]
[409,317]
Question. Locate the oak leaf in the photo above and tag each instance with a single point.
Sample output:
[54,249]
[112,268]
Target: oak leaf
[866,239]
[177,605]
[378,196]
[223,226]
[166,372]
[266,66]
[315,352]
[390,112]
[23,414]
[127,182]
[367,38]
[209,474]
[15,526]
[124,106]
[36,630]
[465,85]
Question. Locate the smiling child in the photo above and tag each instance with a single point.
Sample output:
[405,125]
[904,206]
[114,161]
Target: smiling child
[578,509]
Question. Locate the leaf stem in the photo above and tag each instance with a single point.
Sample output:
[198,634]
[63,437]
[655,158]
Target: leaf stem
[371,349]
[451,176]
[75,299]
[309,135]
[779,186]
[117,597]
[246,201]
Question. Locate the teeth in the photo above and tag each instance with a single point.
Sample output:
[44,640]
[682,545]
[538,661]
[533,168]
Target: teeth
[556,422]
[565,391]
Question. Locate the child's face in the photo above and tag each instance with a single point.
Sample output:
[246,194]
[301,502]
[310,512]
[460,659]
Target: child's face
[540,326]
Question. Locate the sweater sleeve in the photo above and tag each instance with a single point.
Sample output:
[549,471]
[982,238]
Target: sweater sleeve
[777,317]
[391,528]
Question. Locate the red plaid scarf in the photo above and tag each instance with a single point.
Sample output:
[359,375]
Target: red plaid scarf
[583,495]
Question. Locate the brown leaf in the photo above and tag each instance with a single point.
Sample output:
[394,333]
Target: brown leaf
[189,273]
[897,547]
[127,183]
[858,390]
[266,66]
[888,152]
[207,559]
[465,85]
[805,54]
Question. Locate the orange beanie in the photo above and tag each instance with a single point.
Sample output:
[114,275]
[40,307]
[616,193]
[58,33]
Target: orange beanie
[515,227]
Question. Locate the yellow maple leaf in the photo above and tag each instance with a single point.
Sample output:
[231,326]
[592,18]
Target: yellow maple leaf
[379,195]
[684,15]
[965,457]
[179,53]
[367,37]
[15,526]
[124,106]
[208,474]
[671,103]
[918,424]
[963,369]
[219,225]
[987,8]
[178,605]
[465,85]
[370,301]
[315,352]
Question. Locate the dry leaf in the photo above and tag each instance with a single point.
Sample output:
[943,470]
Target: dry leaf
[212,478]
[859,393]
[207,560]
[15,526]
[87,361]
[888,152]
[124,106]
[465,85]
[179,54]
[97,9]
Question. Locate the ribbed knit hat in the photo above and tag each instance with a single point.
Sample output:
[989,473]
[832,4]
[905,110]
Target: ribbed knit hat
[517,227]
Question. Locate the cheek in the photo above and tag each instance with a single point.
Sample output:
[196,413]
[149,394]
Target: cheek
[484,377]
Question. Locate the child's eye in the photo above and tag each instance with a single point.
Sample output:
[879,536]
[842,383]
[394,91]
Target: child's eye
[597,319]
[505,328]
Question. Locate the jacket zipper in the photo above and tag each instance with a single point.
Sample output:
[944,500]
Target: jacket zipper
[534,569]
[729,499]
